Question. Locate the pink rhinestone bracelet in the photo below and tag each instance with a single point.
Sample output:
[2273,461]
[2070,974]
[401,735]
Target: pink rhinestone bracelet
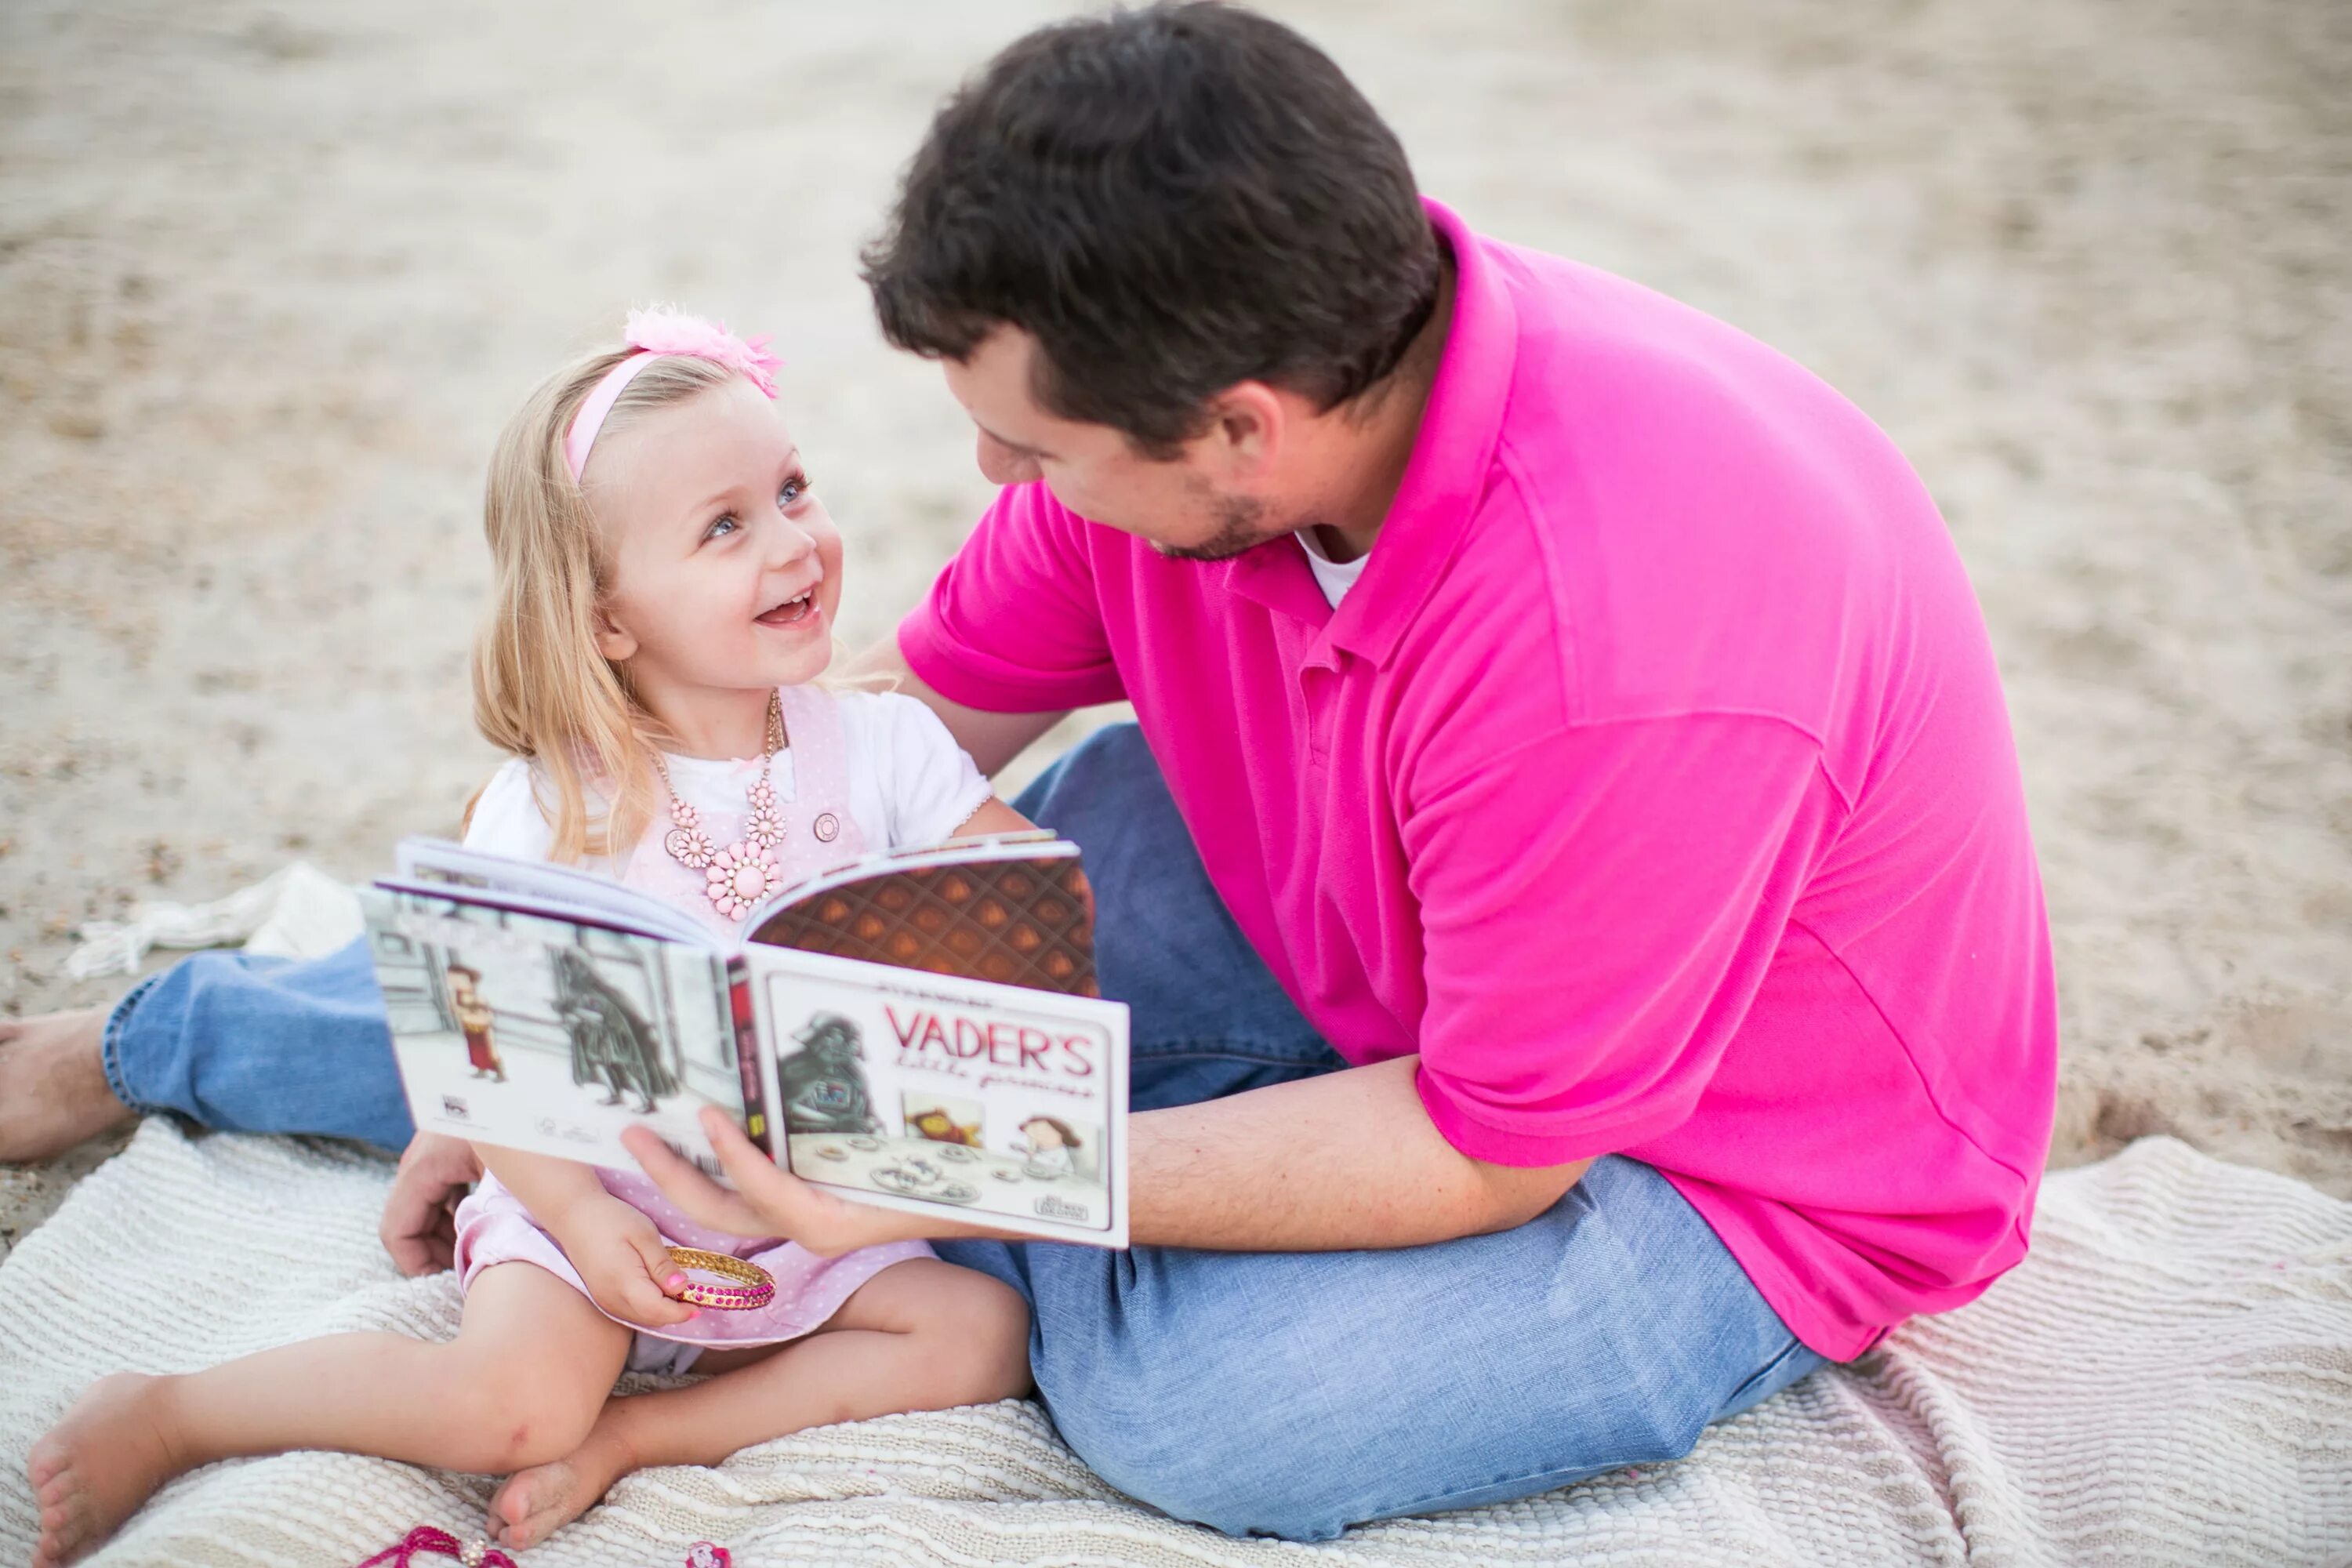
[755,1287]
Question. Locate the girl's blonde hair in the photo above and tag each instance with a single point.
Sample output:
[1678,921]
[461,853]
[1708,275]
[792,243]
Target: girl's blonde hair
[542,689]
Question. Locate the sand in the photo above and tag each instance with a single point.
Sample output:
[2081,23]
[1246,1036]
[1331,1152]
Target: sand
[269,281]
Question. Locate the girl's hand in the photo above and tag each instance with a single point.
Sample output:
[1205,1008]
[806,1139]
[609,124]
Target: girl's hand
[770,1202]
[620,1259]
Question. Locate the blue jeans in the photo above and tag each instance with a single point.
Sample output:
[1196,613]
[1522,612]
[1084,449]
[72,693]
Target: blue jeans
[1274,1394]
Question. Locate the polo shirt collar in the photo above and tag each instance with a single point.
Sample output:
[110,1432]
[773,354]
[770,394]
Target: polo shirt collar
[1444,480]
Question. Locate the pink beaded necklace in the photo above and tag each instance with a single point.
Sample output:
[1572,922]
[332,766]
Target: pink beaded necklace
[745,871]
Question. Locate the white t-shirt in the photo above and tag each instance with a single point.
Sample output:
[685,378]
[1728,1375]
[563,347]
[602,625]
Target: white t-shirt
[1334,577]
[909,784]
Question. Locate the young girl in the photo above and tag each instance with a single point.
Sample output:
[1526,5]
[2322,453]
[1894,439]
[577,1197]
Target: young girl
[667,589]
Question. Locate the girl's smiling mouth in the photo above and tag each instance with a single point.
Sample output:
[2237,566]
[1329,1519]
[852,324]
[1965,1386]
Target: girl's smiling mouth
[792,611]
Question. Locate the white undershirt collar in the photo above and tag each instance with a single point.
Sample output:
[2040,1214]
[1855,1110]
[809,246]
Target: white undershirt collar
[1334,577]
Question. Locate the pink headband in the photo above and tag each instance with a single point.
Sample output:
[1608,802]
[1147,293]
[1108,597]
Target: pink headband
[654,333]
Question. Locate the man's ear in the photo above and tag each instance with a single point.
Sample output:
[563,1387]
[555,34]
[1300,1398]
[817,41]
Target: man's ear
[1246,425]
[615,643]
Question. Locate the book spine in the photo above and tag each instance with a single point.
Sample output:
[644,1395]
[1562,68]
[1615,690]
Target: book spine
[747,1054]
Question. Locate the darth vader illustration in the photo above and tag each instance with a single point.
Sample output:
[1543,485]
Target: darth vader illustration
[824,1084]
[610,1044]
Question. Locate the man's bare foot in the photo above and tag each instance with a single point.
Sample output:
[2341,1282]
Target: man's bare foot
[97,1465]
[537,1503]
[53,1091]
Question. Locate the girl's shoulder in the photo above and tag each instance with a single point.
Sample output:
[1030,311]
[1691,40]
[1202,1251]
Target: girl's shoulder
[892,731]
[927,786]
[883,717]
[508,818]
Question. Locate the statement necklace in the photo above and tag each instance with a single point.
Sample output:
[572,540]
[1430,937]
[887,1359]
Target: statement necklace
[745,871]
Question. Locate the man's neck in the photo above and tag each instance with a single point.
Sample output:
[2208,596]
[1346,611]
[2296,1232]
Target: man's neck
[1382,428]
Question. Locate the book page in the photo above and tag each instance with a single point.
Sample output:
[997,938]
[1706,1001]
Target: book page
[539,885]
[548,1035]
[1000,1104]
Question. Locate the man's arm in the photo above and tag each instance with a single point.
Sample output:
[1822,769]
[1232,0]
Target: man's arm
[993,739]
[1344,1160]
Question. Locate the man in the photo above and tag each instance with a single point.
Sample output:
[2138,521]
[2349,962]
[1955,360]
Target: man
[1570,878]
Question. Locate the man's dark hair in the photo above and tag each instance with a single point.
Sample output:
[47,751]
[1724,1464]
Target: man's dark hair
[1171,200]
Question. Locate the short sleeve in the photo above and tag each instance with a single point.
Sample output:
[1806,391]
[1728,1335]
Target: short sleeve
[1012,624]
[1600,907]
[506,819]
[930,786]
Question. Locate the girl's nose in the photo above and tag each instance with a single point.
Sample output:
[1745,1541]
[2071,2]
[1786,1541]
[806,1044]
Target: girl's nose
[788,542]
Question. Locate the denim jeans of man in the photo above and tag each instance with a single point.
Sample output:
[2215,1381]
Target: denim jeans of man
[1276,1394]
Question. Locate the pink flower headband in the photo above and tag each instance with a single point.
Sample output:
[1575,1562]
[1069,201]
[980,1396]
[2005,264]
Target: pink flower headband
[654,333]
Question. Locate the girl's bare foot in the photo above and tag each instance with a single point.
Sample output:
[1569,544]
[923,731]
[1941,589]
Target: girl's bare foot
[537,1503]
[97,1465]
[53,1091]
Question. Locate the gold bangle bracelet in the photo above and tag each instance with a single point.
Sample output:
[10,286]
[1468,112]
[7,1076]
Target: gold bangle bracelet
[754,1286]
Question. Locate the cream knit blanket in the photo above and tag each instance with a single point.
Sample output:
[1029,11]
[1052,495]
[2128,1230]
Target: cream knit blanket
[2167,1380]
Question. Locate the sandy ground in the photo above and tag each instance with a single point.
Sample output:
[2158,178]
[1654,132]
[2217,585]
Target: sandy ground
[271,281]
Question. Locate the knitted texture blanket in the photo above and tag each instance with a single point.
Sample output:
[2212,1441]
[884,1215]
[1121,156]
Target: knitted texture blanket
[2167,1380]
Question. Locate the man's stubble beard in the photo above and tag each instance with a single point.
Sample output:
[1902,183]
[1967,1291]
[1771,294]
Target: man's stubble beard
[1240,526]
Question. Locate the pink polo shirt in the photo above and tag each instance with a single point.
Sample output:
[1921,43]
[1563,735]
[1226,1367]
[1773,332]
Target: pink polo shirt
[1654,783]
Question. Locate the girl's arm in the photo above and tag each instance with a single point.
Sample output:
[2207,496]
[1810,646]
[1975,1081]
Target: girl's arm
[616,1250]
[994,817]
[548,1187]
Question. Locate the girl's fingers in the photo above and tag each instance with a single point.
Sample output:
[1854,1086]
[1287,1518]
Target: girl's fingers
[650,1308]
[649,1294]
[661,1312]
[667,1276]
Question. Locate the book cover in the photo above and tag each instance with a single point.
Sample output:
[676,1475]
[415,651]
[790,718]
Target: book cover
[914,1090]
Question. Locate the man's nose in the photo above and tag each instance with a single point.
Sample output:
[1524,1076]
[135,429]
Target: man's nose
[1000,464]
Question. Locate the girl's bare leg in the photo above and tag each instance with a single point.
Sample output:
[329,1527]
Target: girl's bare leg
[921,1335]
[519,1385]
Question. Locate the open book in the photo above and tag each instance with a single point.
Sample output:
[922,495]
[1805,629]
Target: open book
[918,1029]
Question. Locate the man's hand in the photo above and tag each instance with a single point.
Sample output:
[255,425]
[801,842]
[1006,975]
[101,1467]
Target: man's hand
[419,1227]
[620,1259]
[769,1201]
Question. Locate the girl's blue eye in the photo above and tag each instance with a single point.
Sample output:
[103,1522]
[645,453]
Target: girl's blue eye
[794,488]
[721,526]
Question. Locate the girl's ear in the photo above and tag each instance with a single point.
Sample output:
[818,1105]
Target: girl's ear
[615,643]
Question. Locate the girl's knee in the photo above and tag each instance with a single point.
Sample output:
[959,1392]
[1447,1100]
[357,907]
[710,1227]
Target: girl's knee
[997,1324]
[977,1343]
[513,1423]
[507,1413]
[971,1335]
